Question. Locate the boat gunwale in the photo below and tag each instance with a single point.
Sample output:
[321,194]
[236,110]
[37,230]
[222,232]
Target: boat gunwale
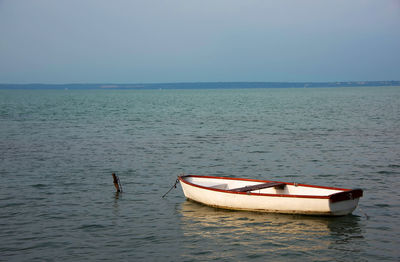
[182,179]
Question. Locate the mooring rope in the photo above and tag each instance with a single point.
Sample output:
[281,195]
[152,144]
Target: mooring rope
[365,214]
[174,186]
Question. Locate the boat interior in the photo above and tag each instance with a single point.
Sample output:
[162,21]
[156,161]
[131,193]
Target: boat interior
[264,187]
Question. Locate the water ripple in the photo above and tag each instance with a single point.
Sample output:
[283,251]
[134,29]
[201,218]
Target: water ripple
[59,148]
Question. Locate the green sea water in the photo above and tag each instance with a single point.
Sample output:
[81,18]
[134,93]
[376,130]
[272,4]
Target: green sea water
[58,149]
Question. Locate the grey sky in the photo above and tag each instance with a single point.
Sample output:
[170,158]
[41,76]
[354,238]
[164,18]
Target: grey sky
[82,41]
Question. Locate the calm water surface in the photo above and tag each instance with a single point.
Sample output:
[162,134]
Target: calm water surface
[58,149]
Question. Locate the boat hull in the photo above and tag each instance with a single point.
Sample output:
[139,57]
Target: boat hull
[271,203]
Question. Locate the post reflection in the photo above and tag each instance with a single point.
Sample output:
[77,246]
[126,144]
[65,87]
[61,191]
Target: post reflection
[224,234]
[117,196]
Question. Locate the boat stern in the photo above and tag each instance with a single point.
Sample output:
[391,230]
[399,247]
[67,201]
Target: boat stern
[345,202]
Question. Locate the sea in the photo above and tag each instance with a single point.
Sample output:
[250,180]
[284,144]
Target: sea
[58,149]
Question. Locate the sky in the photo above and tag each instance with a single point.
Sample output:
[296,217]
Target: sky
[157,41]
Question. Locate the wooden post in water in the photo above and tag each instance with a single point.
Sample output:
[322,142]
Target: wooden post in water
[116,182]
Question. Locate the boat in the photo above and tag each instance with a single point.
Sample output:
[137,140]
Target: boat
[269,196]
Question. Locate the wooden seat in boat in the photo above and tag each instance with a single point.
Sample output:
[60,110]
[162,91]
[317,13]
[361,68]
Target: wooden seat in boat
[259,186]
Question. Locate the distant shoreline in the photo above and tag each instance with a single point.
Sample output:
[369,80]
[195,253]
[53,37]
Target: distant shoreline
[199,85]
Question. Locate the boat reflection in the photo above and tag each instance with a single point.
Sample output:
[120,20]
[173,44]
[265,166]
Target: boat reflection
[246,234]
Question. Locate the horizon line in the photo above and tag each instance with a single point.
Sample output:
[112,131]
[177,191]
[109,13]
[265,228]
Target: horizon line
[206,82]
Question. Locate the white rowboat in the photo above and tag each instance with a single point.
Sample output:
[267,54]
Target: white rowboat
[269,196]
